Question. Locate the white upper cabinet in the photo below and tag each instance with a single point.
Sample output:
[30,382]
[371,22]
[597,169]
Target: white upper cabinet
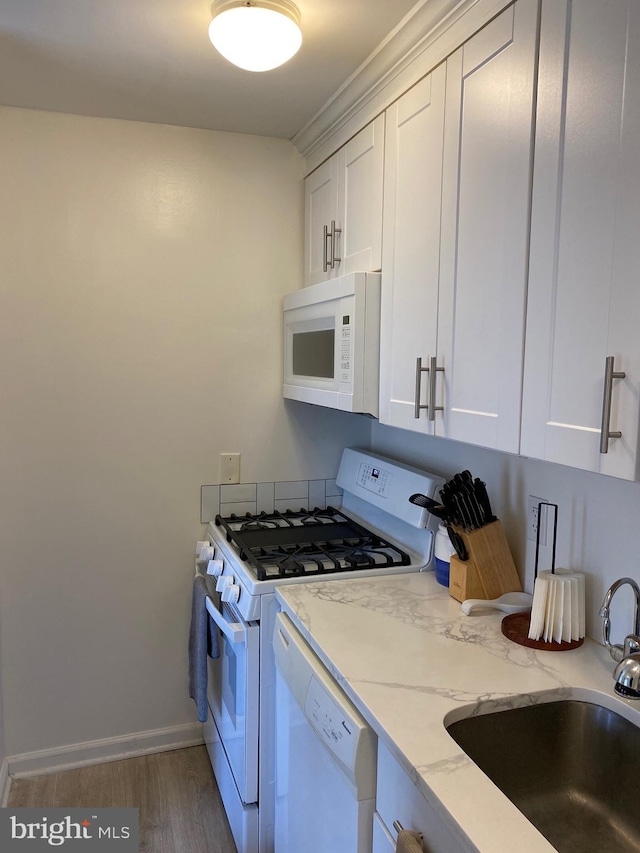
[485,229]
[584,293]
[411,229]
[343,208]
[456,222]
[321,209]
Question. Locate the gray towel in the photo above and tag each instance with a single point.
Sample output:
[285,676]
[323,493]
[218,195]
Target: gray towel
[409,842]
[203,640]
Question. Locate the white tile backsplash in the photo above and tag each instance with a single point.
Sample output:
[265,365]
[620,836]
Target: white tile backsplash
[209,503]
[241,498]
[265,497]
[238,508]
[292,489]
[317,497]
[332,488]
[290,503]
[238,493]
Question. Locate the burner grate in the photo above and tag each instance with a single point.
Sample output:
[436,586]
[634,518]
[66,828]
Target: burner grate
[307,542]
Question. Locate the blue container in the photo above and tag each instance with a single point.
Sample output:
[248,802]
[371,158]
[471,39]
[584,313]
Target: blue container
[442,554]
[442,572]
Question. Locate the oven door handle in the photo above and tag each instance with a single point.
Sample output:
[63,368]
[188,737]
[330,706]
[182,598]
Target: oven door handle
[235,632]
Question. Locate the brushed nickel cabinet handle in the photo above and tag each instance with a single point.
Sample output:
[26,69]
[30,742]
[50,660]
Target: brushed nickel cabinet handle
[335,258]
[605,430]
[325,254]
[419,371]
[432,408]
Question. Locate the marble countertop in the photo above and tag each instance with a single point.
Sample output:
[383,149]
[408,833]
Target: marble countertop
[408,658]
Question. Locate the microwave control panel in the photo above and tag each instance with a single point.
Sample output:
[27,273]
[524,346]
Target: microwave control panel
[345,349]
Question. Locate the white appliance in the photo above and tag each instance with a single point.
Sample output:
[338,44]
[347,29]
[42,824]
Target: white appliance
[325,756]
[332,343]
[375,531]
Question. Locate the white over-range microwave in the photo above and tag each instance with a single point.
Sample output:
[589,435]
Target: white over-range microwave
[332,343]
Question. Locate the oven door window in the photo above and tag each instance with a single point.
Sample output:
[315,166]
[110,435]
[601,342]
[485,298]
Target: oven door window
[233,700]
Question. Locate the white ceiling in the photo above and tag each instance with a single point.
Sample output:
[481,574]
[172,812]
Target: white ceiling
[151,60]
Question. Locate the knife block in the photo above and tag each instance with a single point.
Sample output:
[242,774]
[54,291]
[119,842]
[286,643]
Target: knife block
[489,571]
[463,580]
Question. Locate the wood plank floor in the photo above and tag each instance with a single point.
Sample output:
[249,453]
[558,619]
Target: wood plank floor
[176,792]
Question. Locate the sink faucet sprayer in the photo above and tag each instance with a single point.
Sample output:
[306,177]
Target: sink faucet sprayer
[627,657]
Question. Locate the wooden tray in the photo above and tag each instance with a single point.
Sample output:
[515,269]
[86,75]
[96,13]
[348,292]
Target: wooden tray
[515,627]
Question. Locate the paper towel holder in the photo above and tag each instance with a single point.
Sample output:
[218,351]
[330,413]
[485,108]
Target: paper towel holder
[555,538]
[515,627]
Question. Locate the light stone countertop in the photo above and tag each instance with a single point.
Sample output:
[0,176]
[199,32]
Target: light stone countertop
[407,657]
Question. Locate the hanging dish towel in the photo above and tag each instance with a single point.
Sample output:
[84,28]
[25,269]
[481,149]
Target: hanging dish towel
[408,842]
[203,640]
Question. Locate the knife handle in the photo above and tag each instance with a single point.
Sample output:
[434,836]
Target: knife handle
[483,500]
[458,544]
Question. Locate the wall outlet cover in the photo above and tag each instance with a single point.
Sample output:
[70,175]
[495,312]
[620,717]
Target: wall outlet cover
[229,468]
[533,521]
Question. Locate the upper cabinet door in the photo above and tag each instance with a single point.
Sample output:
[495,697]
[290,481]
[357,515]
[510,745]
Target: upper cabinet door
[485,230]
[584,294]
[411,228]
[343,208]
[362,173]
[321,209]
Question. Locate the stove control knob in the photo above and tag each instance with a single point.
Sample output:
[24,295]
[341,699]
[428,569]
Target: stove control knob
[206,553]
[215,567]
[200,546]
[231,593]
[223,582]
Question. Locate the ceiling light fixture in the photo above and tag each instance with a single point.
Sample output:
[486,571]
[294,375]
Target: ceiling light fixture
[256,35]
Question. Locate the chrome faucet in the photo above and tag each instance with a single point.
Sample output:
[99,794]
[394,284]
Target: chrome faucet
[627,657]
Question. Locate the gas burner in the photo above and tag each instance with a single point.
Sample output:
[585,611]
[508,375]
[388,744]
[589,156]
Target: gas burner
[271,520]
[307,542]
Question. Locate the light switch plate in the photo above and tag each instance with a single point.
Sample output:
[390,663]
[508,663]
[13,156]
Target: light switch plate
[229,468]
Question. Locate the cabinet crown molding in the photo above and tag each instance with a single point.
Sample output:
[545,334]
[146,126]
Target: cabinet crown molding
[387,71]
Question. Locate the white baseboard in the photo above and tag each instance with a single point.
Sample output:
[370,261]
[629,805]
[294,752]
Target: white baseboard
[99,751]
[5,783]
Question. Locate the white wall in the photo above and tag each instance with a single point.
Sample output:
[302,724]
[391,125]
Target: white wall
[598,516]
[142,272]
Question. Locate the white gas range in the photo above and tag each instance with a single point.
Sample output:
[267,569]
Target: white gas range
[375,531]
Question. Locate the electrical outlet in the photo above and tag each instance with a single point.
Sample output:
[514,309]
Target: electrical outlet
[533,521]
[229,468]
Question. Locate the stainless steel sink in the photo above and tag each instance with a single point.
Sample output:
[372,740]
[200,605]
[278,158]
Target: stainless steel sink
[571,767]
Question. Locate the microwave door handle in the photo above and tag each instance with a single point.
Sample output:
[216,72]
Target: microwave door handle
[235,632]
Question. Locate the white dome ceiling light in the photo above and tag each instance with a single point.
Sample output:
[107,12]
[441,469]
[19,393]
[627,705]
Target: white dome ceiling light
[256,35]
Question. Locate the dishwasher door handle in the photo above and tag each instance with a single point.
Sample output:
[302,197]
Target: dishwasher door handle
[235,632]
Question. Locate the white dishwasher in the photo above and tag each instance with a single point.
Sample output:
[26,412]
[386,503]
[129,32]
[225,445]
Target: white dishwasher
[325,764]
